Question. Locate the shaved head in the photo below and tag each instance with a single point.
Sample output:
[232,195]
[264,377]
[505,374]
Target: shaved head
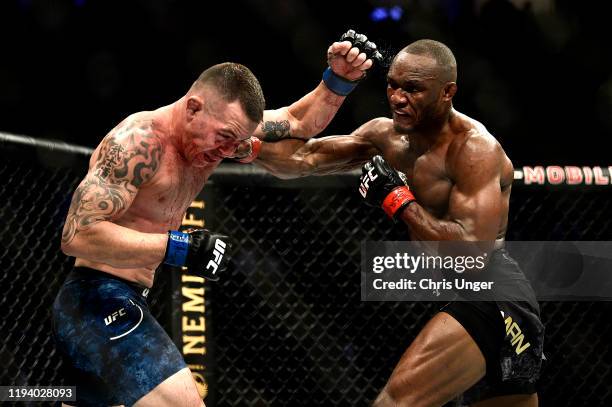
[421,84]
[234,82]
[445,60]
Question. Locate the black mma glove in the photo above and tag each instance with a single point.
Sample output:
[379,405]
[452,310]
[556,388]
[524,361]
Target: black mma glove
[248,150]
[203,252]
[361,41]
[382,186]
[342,86]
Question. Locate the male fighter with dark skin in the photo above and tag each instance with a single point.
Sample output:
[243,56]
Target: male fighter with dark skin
[147,171]
[461,179]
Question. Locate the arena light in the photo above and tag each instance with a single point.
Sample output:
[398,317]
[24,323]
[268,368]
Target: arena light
[379,14]
[394,13]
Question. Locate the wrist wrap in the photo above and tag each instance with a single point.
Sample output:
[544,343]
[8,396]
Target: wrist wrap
[337,84]
[397,199]
[177,249]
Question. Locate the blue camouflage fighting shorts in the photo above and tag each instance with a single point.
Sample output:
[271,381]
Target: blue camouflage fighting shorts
[113,349]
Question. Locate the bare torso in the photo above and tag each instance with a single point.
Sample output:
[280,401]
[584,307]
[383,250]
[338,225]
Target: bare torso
[160,203]
[429,172]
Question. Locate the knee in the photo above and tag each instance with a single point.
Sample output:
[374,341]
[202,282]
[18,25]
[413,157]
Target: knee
[193,399]
[390,398]
[188,398]
[384,399]
[402,393]
[178,390]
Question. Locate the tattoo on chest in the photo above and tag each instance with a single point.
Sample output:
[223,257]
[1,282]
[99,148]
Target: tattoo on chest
[127,158]
[274,131]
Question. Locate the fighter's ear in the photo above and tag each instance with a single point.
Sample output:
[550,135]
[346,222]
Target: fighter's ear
[194,105]
[448,91]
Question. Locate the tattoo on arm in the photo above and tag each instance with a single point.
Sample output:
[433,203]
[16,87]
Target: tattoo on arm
[275,130]
[109,160]
[109,188]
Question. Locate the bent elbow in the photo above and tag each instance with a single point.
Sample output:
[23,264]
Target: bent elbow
[67,247]
[72,246]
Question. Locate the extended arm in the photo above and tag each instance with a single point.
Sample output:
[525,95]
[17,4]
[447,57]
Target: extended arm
[312,113]
[288,149]
[348,61]
[303,119]
[127,159]
[321,156]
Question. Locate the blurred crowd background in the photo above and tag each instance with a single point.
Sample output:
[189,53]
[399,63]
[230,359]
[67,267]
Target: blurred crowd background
[537,73]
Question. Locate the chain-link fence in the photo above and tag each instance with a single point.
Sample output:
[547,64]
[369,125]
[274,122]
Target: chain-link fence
[286,325]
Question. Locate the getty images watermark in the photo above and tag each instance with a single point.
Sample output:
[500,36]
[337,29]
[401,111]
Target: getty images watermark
[490,271]
[411,264]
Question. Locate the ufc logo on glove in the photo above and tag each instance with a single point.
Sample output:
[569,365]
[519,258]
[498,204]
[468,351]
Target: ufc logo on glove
[218,256]
[383,186]
[195,248]
[365,182]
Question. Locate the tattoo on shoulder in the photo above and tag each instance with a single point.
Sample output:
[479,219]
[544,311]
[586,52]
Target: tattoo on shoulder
[275,130]
[127,158]
[130,159]
[109,160]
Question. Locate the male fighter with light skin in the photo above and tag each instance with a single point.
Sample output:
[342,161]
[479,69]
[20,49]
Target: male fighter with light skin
[460,180]
[142,178]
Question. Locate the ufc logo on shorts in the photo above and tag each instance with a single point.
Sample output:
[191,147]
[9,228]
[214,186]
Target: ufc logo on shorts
[218,253]
[113,317]
[365,181]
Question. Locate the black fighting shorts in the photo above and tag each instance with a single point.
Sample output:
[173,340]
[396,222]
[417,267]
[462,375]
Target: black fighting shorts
[113,349]
[509,334]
